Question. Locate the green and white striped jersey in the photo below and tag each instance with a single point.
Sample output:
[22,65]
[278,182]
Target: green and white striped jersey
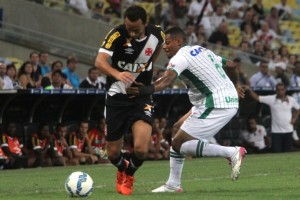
[202,71]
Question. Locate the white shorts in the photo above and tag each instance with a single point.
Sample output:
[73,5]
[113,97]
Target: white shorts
[203,124]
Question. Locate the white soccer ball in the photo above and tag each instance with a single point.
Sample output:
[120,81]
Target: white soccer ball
[79,184]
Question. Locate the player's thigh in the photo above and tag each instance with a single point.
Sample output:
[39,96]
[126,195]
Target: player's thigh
[204,125]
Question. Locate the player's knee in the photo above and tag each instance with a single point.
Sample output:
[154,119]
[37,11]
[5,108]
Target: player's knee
[141,152]
[113,152]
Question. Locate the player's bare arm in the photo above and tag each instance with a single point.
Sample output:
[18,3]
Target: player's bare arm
[232,73]
[102,63]
[162,83]
[252,94]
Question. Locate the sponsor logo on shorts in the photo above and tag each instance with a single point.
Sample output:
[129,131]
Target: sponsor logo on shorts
[148,110]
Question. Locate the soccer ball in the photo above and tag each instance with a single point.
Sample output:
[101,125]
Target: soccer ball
[79,184]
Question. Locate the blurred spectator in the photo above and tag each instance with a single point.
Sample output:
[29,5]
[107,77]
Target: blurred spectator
[273,20]
[25,76]
[281,77]
[255,22]
[258,7]
[284,53]
[201,36]
[284,11]
[156,150]
[98,142]
[258,52]
[5,81]
[56,65]
[13,147]
[79,6]
[91,81]
[80,145]
[226,6]
[190,34]
[4,162]
[64,154]
[263,78]
[243,80]
[284,114]
[266,35]
[114,9]
[248,34]
[46,83]
[36,72]
[98,12]
[244,51]
[220,37]
[42,146]
[58,82]
[43,63]
[237,9]
[295,80]
[70,71]
[11,72]
[292,61]
[255,138]
[247,20]
[203,8]
[178,10]
[217,17]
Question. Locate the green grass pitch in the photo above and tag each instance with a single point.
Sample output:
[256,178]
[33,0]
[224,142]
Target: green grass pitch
[267,176]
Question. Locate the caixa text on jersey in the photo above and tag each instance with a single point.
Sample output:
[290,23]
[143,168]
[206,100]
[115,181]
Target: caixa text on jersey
[135,67]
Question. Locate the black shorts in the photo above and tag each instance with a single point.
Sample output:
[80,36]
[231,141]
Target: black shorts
[121,115]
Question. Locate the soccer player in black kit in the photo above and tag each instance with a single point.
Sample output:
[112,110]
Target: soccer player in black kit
[126,56]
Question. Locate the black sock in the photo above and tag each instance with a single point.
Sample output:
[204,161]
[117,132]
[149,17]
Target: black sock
[119,163]
[134,164]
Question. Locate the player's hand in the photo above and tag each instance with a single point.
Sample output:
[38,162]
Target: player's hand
[141,90]
[133,89]
[125,77]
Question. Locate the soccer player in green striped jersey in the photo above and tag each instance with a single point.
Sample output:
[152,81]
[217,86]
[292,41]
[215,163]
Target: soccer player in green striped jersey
[215,101]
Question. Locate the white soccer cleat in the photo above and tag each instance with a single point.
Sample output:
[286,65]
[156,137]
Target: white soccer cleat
[236,162]
[167,188]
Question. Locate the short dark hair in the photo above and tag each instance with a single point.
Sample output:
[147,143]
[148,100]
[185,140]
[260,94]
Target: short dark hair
[92,69]
[134,13]
[45,81]
[58,71]
[60,125]
[176,32]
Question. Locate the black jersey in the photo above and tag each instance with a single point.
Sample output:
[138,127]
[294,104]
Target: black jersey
[132,56]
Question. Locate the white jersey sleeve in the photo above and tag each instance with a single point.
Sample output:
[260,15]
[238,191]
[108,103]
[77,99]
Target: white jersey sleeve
[269,99]
[178,63]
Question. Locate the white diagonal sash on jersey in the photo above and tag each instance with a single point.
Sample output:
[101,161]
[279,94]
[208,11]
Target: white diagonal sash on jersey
[120,87]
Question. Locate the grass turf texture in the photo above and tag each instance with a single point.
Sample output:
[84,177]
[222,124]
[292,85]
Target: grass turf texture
[268,176]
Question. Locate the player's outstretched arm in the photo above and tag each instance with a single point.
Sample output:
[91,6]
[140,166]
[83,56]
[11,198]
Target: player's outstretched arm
[162,83]
[233,75]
